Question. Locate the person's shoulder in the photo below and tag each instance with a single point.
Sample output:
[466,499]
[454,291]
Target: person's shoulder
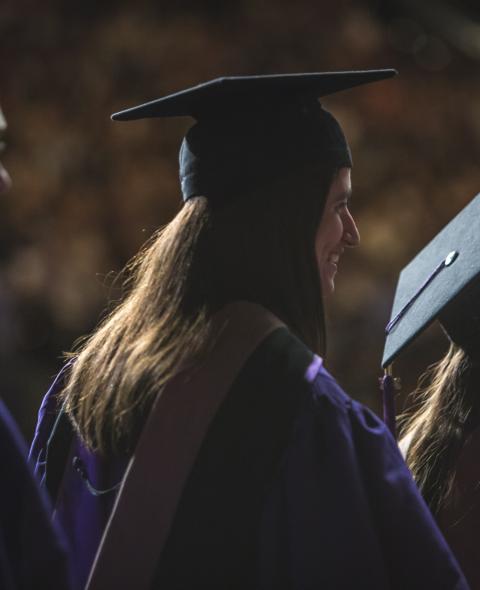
[324,385]
[282,353]
[327,397]
[291,361]
[46,420]
[283,359]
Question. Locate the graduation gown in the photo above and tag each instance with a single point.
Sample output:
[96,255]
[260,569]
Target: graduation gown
[32,551]
[295,486]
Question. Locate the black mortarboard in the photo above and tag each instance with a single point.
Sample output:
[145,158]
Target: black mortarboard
[251,128]
[441,282]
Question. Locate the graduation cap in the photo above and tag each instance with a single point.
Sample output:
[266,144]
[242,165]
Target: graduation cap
[250,129]
[442,282]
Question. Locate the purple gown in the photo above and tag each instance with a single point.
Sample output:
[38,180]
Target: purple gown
[295,486]
[32,551]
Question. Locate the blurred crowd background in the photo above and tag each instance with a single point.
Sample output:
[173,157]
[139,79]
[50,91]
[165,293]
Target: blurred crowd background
[87,193]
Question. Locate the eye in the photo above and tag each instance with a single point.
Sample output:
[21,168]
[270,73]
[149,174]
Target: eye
[340,207]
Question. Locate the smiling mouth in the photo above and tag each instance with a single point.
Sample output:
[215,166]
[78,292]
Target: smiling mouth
[334,258]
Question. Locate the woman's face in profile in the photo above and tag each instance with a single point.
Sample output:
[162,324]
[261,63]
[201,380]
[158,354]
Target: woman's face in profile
[336,231]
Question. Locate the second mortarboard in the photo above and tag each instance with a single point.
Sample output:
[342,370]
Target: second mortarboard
[250,129]
[442,282]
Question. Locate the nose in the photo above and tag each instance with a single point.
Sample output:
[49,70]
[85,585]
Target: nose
[351,235]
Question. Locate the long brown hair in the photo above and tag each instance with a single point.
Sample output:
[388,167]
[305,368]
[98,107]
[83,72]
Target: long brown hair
[446,412]
[258,246]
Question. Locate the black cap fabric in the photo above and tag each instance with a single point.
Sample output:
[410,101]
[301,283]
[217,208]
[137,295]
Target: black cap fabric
[441,282]
[221,157]
[232,94]
[251,128]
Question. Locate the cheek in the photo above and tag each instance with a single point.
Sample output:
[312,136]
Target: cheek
[328,236]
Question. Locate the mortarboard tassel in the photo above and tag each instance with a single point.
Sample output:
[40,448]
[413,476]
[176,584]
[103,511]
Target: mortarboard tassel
[388,386]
